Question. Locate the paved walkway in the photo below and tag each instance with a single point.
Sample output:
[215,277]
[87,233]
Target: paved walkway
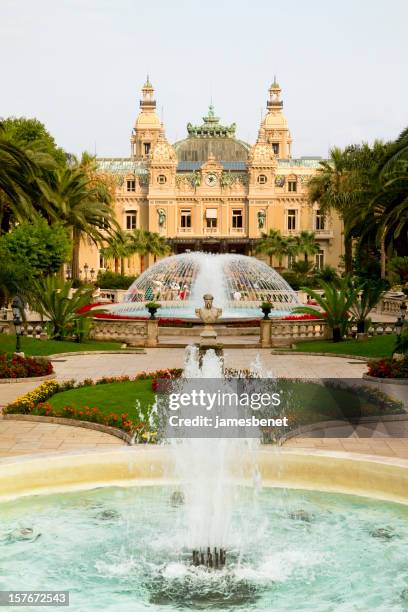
[27,438]
[17,437]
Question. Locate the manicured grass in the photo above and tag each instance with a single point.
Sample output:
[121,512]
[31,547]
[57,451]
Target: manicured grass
[32,346]
[377,346]
[309,402]
[115,397]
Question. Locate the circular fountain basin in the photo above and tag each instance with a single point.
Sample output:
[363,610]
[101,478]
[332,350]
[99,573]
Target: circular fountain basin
[122,548]
[382,478]
[238,283]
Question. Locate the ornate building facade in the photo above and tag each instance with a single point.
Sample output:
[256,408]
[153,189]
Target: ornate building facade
[213,192]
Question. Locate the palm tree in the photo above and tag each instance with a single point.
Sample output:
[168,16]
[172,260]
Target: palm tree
[120,245]
[50,297]
[336,303]
[369,293]
[17,173]
[306,244]
[148,243]
[274,244]
[159,246]
[82,204]
[330,188]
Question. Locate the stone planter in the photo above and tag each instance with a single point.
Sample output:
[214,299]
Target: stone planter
[152,312]
[266,311]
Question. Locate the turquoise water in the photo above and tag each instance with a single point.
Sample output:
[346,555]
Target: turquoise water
[120,550]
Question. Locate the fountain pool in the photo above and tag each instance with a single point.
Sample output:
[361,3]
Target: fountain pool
[238,283]
[118,549]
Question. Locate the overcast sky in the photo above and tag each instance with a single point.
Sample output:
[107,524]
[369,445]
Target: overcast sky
[78,66]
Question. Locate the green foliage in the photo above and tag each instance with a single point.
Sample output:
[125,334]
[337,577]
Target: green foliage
[369,293]
[335,302]
[112,280]
[31,134]
[327,274]
[401,343]
[51,299]
[38,247]
[273,244]
[398,269]
[305,242]
[152,305]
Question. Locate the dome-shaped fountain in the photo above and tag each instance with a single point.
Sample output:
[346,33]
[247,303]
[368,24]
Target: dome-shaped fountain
[238,283]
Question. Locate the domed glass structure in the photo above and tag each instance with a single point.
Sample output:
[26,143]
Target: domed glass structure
[238,283]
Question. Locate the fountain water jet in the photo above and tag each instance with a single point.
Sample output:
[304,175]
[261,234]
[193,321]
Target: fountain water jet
[209,470]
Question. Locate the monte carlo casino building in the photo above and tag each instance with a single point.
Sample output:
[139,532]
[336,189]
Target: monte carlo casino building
[213,192]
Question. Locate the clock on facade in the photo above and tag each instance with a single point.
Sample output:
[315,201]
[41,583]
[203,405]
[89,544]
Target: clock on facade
[211,179]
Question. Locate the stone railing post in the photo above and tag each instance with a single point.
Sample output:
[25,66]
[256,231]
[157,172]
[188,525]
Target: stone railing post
[265,333]
[152,332]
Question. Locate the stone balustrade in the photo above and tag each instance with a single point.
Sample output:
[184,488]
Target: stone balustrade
[279,333]
[31,329]
[389,306]
[133,333]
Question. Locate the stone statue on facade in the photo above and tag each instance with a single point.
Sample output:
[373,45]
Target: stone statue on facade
[261,219]
[161,213]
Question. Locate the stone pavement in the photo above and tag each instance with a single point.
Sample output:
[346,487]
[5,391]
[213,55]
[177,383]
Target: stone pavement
[27,438]
[292,366]
[17,437]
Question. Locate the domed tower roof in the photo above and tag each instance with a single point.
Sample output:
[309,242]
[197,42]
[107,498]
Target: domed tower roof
[211,138]
[147,118]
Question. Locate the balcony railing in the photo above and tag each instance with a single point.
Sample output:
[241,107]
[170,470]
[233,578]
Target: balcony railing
[185,230]
[237,230]
[324,233]
[211,230]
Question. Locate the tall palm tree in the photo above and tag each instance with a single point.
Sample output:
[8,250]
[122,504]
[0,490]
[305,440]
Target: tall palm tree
[159,246]
[330,188]
[273,244]
[83,205]
[306,244]
[148,243]
[119,246]
[17,174]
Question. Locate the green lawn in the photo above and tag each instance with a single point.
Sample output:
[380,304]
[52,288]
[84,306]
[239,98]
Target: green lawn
[308,401]
[32,346]
[115,397]
[377,346]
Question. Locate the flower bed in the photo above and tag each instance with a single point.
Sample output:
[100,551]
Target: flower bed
[35,403]
[15,366]
[304,317]
[388,368]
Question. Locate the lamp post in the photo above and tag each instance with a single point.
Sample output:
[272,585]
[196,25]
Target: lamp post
[86,268]
[92,273]
[17,307]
